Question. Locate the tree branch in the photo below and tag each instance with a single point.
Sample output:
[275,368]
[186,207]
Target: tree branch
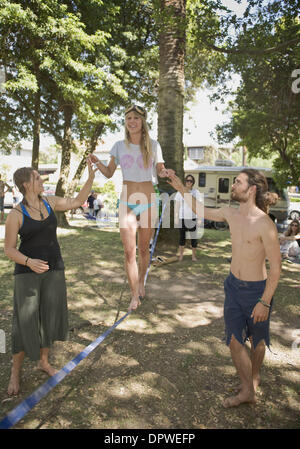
[254,51]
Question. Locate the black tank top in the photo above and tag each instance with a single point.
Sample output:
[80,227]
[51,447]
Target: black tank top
[39,241]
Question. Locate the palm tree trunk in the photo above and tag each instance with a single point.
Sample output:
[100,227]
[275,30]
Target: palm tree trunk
[171,95]
[36,129]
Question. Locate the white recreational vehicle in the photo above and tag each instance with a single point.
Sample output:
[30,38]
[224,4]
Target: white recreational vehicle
[215,183]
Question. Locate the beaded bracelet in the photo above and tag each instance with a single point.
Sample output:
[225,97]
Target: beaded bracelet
[264,303]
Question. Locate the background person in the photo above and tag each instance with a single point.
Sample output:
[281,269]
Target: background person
[289,240]
[3,191]
[40,314]
[186,219]
[98,205]
[140,158]
[90,201]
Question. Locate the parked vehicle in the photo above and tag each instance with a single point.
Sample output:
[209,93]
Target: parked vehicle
[294,210]
[215,183]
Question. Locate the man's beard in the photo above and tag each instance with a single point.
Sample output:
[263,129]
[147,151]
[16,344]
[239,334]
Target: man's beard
[239,197]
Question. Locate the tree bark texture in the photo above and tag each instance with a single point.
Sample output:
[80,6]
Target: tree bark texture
[62,183]
[36,130]
[171,94]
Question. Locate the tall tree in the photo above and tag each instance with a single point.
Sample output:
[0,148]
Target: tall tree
[171,90]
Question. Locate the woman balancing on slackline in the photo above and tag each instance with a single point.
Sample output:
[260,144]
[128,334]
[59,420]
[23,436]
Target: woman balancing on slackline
[140,158]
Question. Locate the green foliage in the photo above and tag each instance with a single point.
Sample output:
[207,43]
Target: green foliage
[110,195]
[265,110]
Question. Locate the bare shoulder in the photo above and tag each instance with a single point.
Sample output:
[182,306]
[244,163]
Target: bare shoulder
[15,216]
[266,225]
[51,200]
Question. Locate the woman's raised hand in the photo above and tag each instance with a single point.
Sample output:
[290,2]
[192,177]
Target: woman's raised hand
[90,167]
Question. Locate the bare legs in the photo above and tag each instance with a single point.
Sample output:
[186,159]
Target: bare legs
[144,236]
[135,273]
[128,237]
[248,370]
[181,249]
[43,364]
[14,382]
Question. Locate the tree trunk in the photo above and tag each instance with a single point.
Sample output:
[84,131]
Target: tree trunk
[171,97]
[36,130]
[62,183]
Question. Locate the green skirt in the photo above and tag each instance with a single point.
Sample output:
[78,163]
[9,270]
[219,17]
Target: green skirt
[40,312]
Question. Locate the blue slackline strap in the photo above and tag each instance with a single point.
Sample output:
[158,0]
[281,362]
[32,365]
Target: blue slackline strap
[154,242]
[20,411]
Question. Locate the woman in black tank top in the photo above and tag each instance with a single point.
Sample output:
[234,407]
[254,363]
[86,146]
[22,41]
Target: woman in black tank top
[40,303]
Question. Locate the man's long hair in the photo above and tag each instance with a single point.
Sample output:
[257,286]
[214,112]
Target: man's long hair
[263,198]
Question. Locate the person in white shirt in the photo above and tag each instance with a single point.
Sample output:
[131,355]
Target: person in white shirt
[186,219]
[98,204]
[140,158]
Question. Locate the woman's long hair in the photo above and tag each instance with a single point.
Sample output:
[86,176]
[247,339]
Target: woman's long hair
[22,175]
[145,143]
[263,199]
[289,231]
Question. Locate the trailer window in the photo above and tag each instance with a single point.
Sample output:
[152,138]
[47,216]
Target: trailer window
[202,180]
[223,185]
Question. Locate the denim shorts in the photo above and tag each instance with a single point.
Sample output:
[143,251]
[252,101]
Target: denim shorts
[240,300]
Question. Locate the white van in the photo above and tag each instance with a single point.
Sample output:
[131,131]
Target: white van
[215,183]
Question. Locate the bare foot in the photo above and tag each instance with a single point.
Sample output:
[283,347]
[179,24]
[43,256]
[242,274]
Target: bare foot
[135,302]
[45,366]
[14,384]
[241,398]
[256,382]
[194,259]
[142,291]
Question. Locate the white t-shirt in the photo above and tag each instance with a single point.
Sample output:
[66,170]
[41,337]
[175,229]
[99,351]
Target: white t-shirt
[184,209]
[131,161]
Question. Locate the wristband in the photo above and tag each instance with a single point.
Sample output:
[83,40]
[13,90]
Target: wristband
[27,258]
[264,303]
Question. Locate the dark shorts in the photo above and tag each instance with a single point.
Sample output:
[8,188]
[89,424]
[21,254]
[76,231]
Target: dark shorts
[240,300]
[188,225]
[1,203]
[40,312]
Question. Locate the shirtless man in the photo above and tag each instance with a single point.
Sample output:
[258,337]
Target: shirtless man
[248,289]
[2,195]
